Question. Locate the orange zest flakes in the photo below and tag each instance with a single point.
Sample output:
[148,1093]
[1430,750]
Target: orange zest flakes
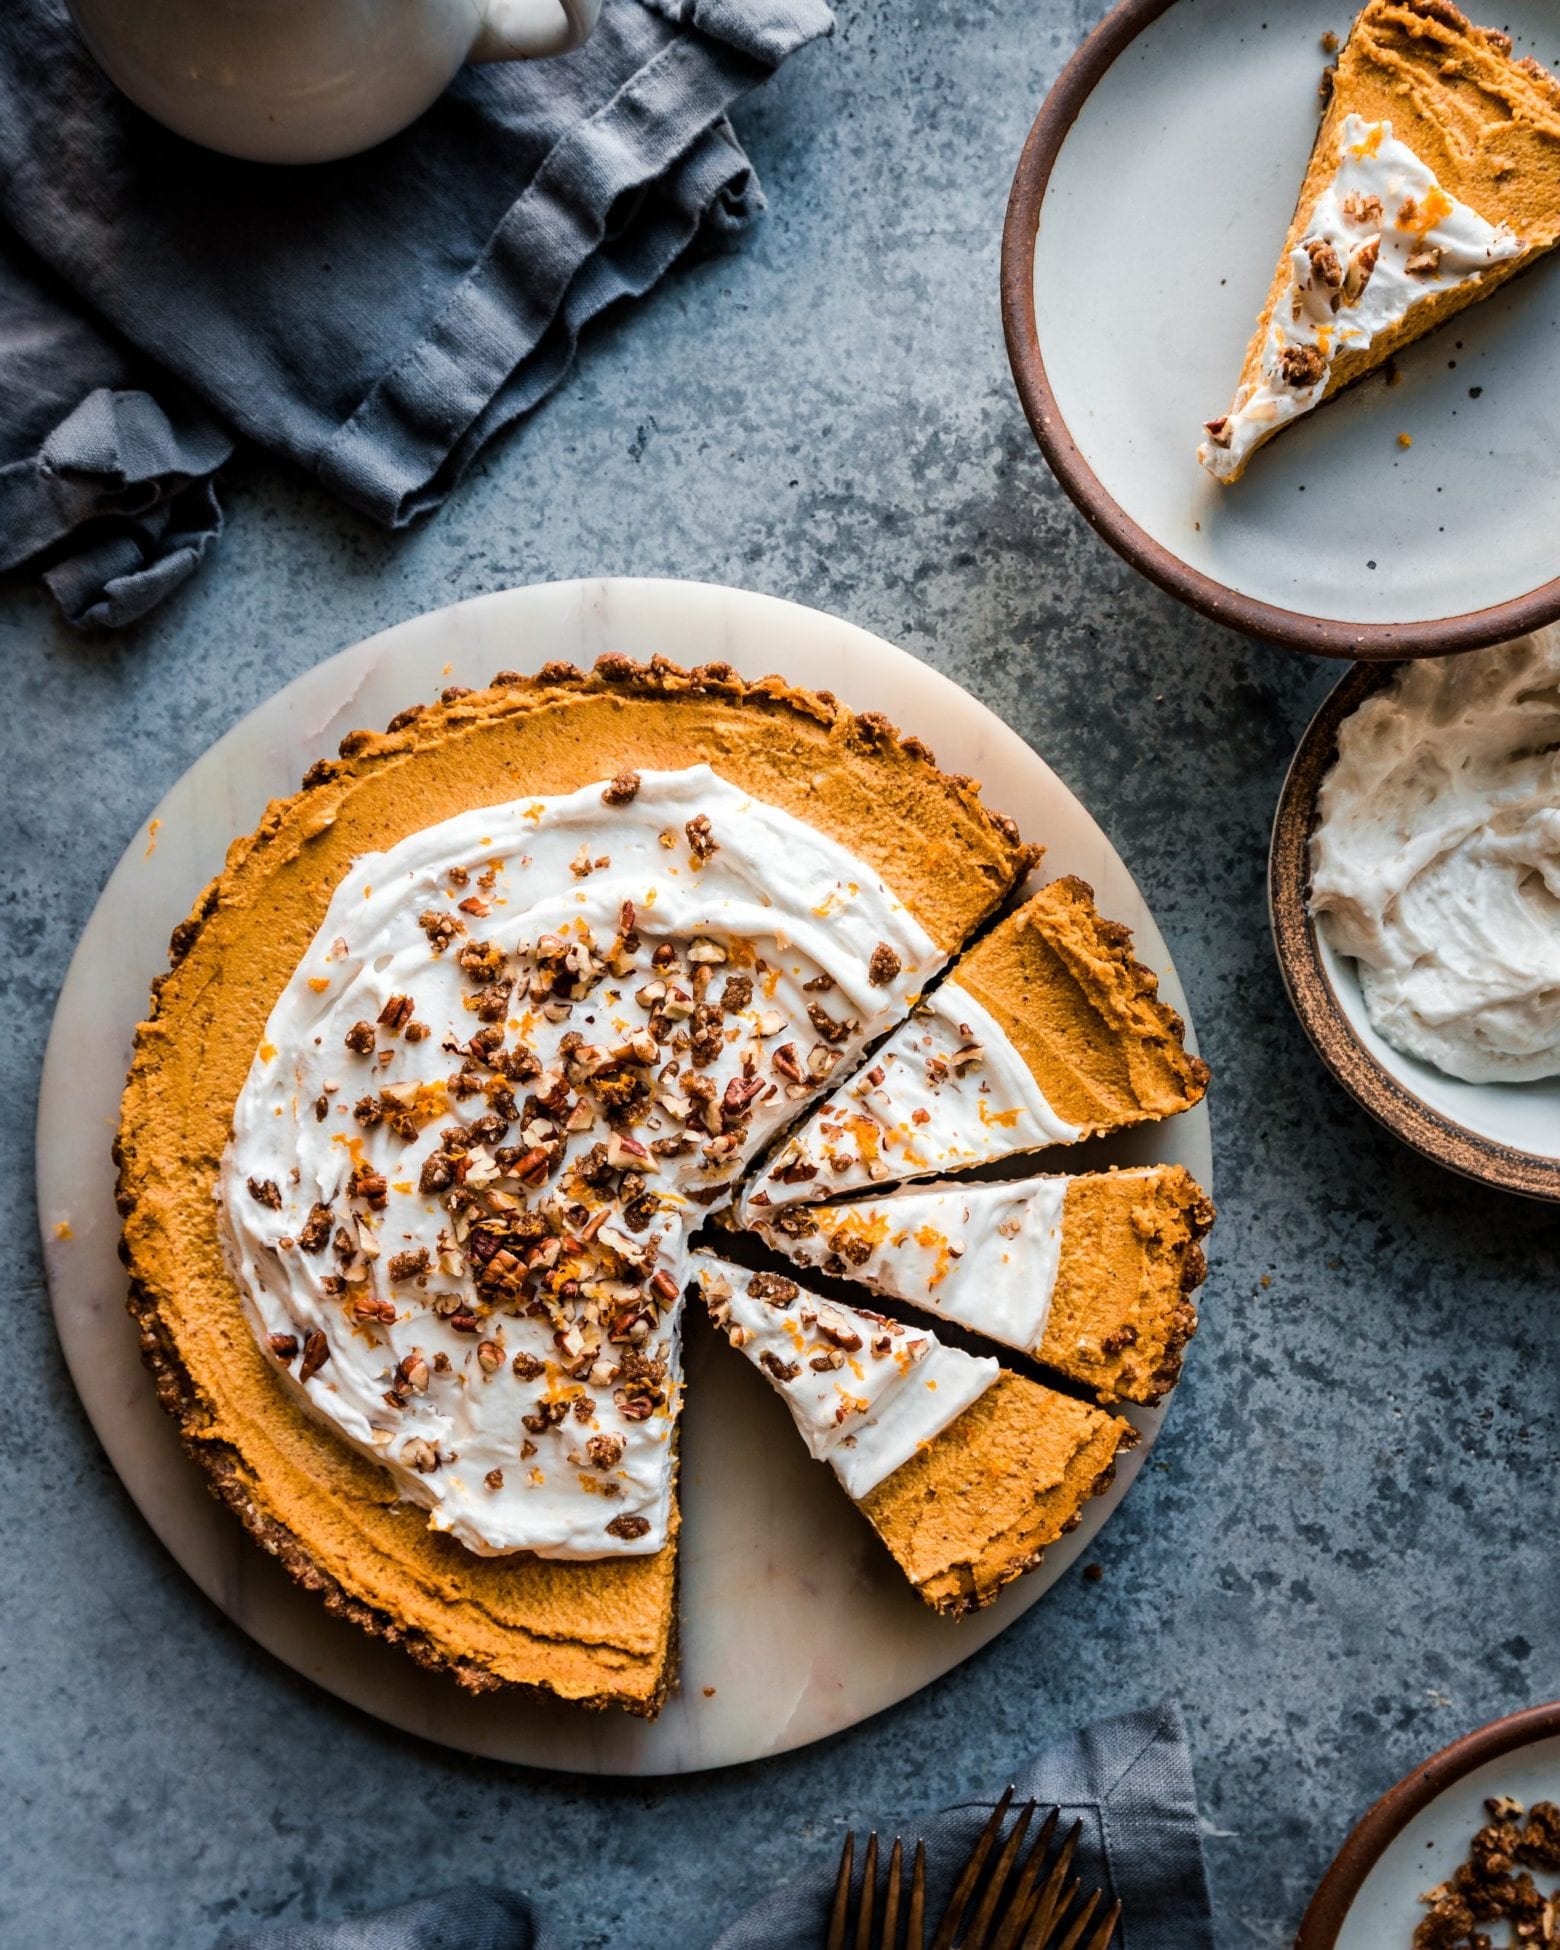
[1001,1120]
[151,838]
[268,1052]
[930,1240]
[1436,208]
[1405,440]
[62,1230]
[1371,146]
[865,1132]
[319,983]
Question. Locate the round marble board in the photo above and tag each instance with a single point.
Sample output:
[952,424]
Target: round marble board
[782,1581]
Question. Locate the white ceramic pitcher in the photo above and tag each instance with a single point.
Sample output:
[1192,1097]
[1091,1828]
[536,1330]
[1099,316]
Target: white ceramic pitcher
[302,81]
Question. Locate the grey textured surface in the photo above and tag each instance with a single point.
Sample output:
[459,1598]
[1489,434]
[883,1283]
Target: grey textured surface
[1337,1557]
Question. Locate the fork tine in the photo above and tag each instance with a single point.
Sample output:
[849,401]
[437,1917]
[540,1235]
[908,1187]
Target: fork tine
[1051,1903]
[835,1940]
[1081,1923]
[1106,1930]
[868,1895]
[1047,1917]
[975,1936]
[915,1920]
[1017,1912]
[890,1927]
[958,1902]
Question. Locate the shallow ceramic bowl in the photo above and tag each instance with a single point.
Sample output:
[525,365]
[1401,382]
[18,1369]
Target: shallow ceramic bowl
[1505,1134]
[1419,1831]
[1146,216]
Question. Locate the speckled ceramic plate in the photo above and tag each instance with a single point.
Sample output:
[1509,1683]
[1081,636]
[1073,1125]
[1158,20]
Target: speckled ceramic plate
[1505,1134]
[795,1622]
[1146,216]
[1419,1832]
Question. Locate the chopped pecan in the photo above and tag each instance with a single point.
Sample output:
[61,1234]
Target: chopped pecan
[884,965]
[628,1527]
[316,1230]
[1301,366]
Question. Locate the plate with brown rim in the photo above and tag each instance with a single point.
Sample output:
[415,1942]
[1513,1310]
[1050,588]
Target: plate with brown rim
[1155,188]
[1418,1832]
[1503,1134]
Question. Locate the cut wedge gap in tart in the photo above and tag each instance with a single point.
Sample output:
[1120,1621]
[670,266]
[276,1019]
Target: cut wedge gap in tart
[1046,1032]
[1092,1276]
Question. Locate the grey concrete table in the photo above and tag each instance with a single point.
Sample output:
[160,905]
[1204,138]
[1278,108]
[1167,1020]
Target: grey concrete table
[1337,1557]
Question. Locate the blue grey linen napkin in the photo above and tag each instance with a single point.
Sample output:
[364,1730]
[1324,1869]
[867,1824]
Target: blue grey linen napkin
[1128,1780]
[374,320]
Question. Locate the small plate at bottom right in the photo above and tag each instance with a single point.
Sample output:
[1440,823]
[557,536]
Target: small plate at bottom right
[1503,1134]
[1419,1831]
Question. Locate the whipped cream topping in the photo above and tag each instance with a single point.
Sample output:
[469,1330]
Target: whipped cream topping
[865,1392]
[947,1090]
[1383,238]
[526,1050]
[983,1255]
[1436,862]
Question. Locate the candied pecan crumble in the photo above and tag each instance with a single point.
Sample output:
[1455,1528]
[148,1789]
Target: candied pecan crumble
[1301,366]
[1493,1883]
[265,1191]
[884,965]
[621,789]
[628,1527]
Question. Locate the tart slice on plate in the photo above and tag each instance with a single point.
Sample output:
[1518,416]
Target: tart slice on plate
[1047,1031]
[1435,178]
[965,1470]
[1092,1275]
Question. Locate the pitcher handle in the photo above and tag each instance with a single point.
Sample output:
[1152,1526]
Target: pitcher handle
[530,30]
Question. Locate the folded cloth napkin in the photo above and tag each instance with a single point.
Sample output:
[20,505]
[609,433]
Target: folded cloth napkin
[375,320]
[1127,1780]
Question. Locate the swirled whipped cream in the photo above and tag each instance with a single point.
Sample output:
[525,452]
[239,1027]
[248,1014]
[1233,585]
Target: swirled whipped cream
[865,1392]
[983,1255]
[947,1090]
[1436,862]
[526,1049]
[1383,238]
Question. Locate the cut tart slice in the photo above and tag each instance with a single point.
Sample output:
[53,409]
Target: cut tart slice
[1046,1032]
[965,1470]
[1435,178]
[1092,1275]
[435,1090]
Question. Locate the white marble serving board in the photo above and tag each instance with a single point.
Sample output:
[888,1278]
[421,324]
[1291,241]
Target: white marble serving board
[795,1622]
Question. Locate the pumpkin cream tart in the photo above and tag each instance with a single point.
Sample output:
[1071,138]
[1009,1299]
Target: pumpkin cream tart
[451,1061]
[965,1470]
[1047,1031]
[1435,178]
[1092,1275]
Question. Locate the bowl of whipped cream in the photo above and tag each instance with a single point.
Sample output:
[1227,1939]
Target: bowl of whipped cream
[1414,883]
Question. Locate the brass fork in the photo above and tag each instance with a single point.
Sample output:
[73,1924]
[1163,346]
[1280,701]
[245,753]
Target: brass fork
[1016,1910]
